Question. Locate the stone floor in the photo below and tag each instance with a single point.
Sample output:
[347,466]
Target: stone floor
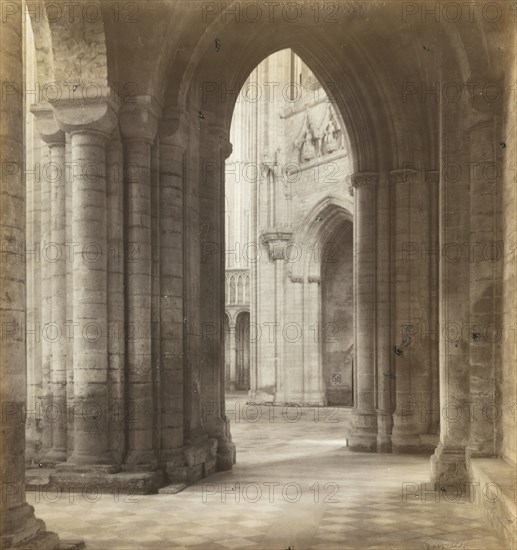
[295,485]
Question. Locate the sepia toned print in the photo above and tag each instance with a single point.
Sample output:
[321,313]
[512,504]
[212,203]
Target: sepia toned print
[258,274]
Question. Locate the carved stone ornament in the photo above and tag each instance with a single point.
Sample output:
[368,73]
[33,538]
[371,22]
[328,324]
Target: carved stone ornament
[276,242]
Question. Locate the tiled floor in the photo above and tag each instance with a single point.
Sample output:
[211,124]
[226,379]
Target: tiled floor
[295,485]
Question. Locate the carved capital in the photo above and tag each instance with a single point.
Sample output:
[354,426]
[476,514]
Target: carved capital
[220,136]
[47,126]
[80,114]
[139,118]
[363,179]
[276,242]
[173,127]
[314,279]
[296,279]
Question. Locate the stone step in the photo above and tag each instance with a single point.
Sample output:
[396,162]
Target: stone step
[496,495]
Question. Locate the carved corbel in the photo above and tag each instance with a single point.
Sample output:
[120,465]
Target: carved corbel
[276,243]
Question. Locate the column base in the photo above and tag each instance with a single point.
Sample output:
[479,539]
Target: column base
[449,467]
[226,456]
[103,478]
[384,429]
[21,529]
[100,460]
[54,457]
[140,461]
[196,461]
[312,399]
[364,433]
[411,437]
[260,396]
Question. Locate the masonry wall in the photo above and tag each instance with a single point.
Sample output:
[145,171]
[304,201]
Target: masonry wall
[508,380]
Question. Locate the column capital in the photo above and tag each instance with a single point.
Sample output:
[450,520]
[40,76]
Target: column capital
[276,243]
[46,124]
[220,135]
[402,175]
[173,127]
[363,179]
[314,279]
[139,118]
[81,114]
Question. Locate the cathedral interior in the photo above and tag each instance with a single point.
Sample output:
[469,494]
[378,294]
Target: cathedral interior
[258,277]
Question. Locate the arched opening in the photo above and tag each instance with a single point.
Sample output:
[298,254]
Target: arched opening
[242,338]
[290,165]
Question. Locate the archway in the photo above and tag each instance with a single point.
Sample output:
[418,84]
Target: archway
[289,152]
[242,337]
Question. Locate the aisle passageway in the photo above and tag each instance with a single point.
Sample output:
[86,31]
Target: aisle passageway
[295,484]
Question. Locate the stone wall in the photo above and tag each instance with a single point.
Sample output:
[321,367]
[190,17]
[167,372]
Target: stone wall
[508,446]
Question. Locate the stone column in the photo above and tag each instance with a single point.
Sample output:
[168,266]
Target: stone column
[19,527]
[90,125]
[138,123]
[312,373]
[116,301]
[384,345]
[221,150]
[56,333]
[272,383]
[174,377]
[364,436]
[233,357]
[486,274]
[69,302]
[45,306]
[432,336]
[411,308]
[448,464]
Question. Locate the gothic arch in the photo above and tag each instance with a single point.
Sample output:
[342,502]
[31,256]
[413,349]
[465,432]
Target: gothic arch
[319,223]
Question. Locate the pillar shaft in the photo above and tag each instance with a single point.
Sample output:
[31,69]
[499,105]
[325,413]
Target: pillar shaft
[411,310]
[173,322]
[216,148]
[364,436]
[116,303]
[137,176]
[448,464]
[18,524]
[384,349]
[233,357]
[54,288]
[313,375]
[46,306]
[90,346]
[58,451]
[138,125]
